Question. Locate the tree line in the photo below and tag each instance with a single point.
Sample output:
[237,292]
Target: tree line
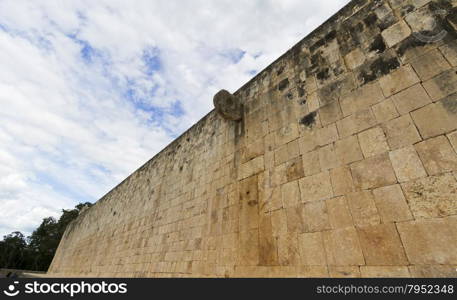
[35,252]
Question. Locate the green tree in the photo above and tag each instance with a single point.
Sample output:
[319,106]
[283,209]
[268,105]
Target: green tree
[13,251]
[36,253]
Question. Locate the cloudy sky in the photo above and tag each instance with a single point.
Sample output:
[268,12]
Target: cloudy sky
[90,90]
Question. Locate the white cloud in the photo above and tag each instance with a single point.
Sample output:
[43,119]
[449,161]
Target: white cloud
[79,107]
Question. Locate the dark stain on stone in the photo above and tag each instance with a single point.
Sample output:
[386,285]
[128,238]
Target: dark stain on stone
[283,84]
[323,74]
[303,102]
[411,42]
[280,70]
[370,21]
[406,9]
[301,92]
[253,203]
[330,36]
[450,104]
[290,96]
[309,120]
[378,68]
[378,45]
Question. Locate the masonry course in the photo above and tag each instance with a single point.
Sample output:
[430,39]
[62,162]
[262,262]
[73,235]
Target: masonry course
[337,160]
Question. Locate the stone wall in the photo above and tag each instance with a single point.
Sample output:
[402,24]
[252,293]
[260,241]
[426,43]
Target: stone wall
[343,165]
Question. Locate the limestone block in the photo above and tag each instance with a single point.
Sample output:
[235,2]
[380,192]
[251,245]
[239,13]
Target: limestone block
[228,105]
[430,242]
[312,250]
[249,203]
[355,123]
[442,85]
[294,169]
[330,113]
[401,132]
[354,59]
[311,163]
[406,164]
[437,155]
[450,52]
[385,111]
[437,118]
[344,272]
[433,196]
[391,204]
[327,157]
[312,272]
[341,179]
[313,101]
[295,219]
[363,208]
[361,98]
[315,216]
[385,272]
[327,135]
[281,155]
[433,271]
[373,172]
[253,150]
[348,150]
[411,99]
[396,33]
[248,252]
[279,222]
[430,64]
[290,194]
[286,134]
[453,139]
[288,250]
[251,167]
[381,245]
[398,80]
[339,214]
[342,247]
[270,197]
[308,141]
[373,142]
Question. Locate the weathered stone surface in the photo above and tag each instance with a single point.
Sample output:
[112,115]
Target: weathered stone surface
[341,181]
[373,172]
[398,80]
[311,164]
[450,52]
[327,157]
[411,99]
[429,65]
[354,59]
[312,250]
[316,187]
[355,123]
[437,155]
[330,113]
[348,150]
[432,196]
[442,85]
[396,33]
[361,99]
[406,164]
[327,135]
[290,194]
[437,118]
[401,132]
[363,208]
[342,247]
[316,216]
[385,271]
[373,142]
[339,214]
[430,242]
[385,111]
[453,139]
[433,271]
[344,272]
[391,204]
[381,245]
[228,105]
